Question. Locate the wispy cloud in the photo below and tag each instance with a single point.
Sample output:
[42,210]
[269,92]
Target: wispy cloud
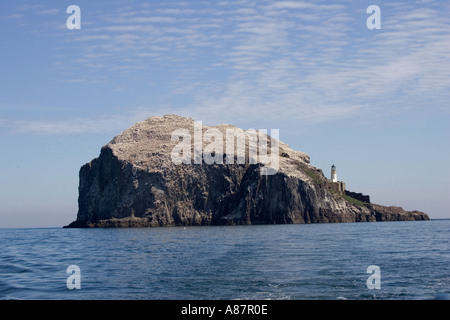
[48,12]
[80,125]
[294,62]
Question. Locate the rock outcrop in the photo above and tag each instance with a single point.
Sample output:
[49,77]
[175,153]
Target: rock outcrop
[135,182]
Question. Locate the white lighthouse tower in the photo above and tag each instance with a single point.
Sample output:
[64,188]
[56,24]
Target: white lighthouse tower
[333,174]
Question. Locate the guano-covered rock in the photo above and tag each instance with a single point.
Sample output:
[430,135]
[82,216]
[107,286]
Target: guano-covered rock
[135,182]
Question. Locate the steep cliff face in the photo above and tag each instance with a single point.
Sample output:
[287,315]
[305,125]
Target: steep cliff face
[135,182]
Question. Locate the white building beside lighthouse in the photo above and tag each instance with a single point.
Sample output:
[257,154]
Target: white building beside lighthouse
[333,174]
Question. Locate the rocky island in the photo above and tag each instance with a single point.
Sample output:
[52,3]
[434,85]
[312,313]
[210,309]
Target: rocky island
[155,174]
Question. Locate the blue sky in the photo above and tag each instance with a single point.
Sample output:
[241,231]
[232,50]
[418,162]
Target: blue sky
[373,102]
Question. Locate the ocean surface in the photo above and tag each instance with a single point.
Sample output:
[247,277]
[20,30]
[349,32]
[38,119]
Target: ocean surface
[310,261]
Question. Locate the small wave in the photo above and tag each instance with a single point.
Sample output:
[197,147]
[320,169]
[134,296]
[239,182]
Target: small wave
[13,268]
[6,289]
[442,296]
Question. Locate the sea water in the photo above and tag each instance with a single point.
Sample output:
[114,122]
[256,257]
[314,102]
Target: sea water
[303,261]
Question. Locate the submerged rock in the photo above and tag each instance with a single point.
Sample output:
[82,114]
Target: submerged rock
[145,177]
